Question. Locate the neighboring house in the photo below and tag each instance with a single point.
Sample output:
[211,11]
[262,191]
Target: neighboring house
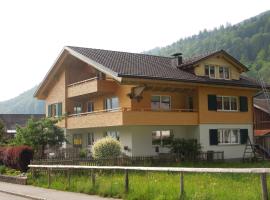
[12,120]
[142,100]
[262,121]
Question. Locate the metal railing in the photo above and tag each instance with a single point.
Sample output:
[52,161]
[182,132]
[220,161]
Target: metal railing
[129,109]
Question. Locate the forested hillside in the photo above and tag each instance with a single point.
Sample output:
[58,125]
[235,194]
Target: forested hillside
[248,41]
[25,103]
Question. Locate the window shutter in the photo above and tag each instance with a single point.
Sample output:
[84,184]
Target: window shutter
[212,102]
[243,103]
[59,113]
[243,136]
[213,136]
[49,110]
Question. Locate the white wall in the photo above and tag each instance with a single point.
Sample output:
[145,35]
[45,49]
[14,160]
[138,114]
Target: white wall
[230,151]
[138,139]
[142,137]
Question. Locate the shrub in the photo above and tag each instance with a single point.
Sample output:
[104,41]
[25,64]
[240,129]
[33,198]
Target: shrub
[83,153]
[16,157]
[2,169]
[188,148]
[105,148]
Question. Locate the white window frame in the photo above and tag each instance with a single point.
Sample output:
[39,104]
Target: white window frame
[224,67]
[221,132]
[91,136]
[113,134]
[161,137]
[160,101]
[110,99]
[230,110]
[209,69]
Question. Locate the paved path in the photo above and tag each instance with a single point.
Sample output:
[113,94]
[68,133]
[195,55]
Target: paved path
[4,196]
[40,193]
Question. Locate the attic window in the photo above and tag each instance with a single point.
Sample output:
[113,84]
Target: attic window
[209,71]
[224,72]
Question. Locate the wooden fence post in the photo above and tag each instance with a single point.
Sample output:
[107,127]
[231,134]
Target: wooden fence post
[126,180]
[33,172]
[68,176]
[93,177]
[264,187]
[181,185]
[49,177]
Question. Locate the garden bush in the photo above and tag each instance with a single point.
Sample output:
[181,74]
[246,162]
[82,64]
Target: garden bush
[188,148]
[17,157]
[105,148]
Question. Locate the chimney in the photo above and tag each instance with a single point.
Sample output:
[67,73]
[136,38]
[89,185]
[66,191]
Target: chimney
[177,59]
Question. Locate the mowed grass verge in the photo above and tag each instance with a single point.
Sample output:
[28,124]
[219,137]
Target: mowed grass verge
[162,185]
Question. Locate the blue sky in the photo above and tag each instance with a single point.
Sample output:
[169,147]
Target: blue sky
[34,32]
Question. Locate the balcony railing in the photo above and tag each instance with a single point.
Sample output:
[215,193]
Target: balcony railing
[92,85]
[130,116]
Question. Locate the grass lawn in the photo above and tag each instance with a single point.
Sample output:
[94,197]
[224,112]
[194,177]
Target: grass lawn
[163,185]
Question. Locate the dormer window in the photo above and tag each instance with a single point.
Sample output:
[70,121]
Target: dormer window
[219,72]
[210,71]
[224,72]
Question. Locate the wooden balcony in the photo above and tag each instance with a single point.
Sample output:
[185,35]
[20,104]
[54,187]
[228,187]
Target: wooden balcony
[90,86]
[128,116]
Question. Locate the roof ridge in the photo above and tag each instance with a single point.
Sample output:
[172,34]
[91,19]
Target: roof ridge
[143,54]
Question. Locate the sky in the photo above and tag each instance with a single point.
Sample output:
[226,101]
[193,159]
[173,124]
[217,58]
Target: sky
[33,32]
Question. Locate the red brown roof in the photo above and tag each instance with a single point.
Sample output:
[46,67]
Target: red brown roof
[261,132]
[135,65]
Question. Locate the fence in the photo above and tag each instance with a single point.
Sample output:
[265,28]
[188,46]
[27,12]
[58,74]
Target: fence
[134,160]
[261,171]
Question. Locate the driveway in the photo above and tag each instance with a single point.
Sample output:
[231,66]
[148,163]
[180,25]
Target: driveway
[23,192]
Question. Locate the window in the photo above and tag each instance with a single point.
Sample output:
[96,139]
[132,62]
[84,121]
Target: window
[90,106]
[77,140]
[77,108]
[55,110]
[160,102]
[227,103]
[90,138]
[162,138]
[113,134]
[210,71]
[224,72]
[111,103]
[228,136]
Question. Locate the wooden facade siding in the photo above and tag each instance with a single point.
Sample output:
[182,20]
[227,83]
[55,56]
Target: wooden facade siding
[89,86]
[127,116]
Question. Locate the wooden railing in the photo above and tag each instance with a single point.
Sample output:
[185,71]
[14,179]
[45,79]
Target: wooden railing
[181,170]
[81,82]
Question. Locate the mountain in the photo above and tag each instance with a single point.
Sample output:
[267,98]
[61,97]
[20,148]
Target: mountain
[248,41]
[25,103]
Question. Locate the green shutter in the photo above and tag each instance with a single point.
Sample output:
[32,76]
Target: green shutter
[59,109]
[212,102]
[213,137]
[243,101]
[49,110]
[243,136]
